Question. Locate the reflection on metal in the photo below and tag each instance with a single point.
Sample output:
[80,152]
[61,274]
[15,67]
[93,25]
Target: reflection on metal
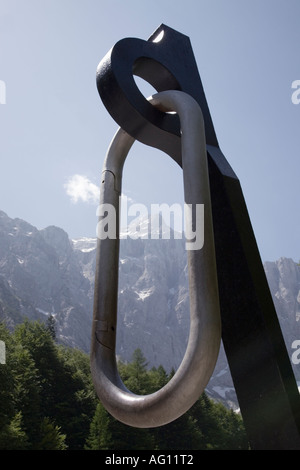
[200,358]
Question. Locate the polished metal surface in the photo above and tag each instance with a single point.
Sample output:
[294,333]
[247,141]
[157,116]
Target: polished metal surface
[194,372]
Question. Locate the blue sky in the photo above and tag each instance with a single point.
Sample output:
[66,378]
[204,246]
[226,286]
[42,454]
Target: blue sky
[54,125]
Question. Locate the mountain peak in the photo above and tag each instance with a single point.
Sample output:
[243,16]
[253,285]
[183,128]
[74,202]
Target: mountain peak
[57,238]
[154,227]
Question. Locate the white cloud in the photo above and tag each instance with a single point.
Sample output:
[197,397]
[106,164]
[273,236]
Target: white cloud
[80,188]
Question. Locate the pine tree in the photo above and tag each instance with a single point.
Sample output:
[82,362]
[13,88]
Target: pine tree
[99,436]
[50,437]
[137,380]
[158,378]
[27,392]
[180,434]
[13,436]
[107,433]
[12,432]
[7,380]
[51,326]
[63,395]
[221,429]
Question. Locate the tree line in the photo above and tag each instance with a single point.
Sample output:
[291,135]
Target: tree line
[48,402]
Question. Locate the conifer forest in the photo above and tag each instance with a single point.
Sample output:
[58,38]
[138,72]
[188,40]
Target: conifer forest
[48,402]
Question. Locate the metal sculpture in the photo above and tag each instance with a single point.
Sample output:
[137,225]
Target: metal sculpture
[202,351]
[253,342]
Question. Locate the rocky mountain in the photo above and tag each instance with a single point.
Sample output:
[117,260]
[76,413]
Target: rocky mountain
[43,272]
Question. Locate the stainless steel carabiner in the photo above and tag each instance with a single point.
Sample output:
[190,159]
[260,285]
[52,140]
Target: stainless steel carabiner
[196,368]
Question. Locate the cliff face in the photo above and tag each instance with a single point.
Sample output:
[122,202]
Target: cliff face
[40,275]
[43,272]
[153,301]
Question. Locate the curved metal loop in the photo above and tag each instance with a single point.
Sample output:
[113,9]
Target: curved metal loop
[167,62]
[195,370]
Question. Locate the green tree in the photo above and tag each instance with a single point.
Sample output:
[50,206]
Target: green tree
[232,433]
[99,436]
[221,429]
[135,375]
[50,437]
[158,378]
[62,389]
[37,340]
[7,380]
[79,404]
[203,414]
[51,326]
[12,432]
[27,391]
[13,436]
[180,434]
[106,433]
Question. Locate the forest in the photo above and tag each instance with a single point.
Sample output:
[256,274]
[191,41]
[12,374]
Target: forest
[48,402]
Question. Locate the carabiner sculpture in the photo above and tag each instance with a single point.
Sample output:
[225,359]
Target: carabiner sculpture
[257,356]
[196,368]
